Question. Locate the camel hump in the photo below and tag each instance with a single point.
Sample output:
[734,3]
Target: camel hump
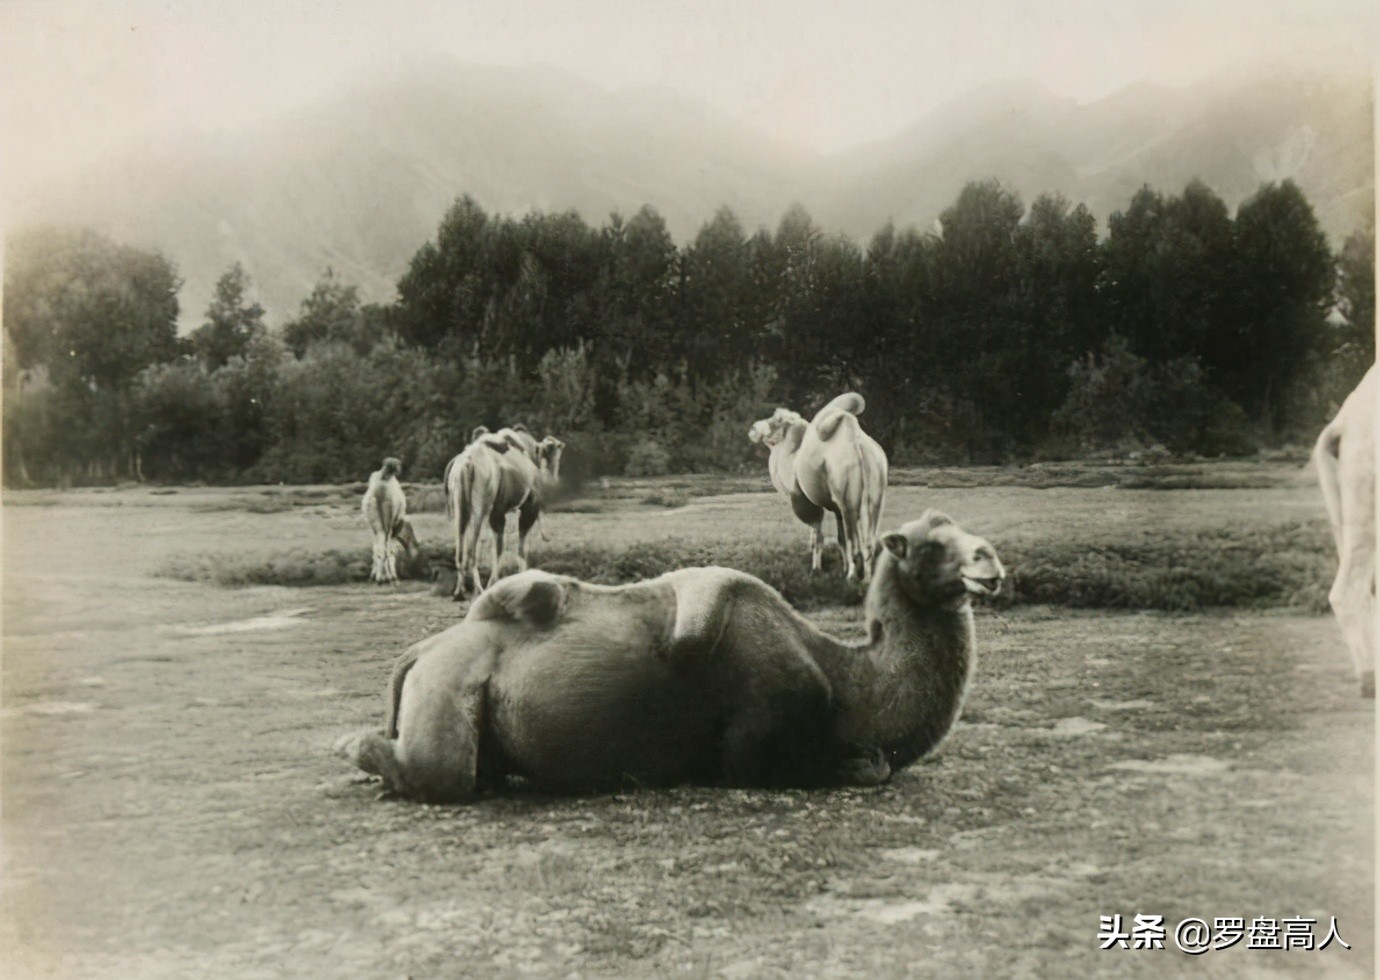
[704,602]
[827,425]
[498,444]
[534,598]
[850,402]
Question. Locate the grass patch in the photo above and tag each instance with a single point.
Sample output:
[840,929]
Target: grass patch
[1178,570]
[1243,475]
[1287,565]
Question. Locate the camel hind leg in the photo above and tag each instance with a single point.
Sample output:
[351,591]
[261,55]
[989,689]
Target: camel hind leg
[435,756]
[852,550]
[527,517]
[812,514]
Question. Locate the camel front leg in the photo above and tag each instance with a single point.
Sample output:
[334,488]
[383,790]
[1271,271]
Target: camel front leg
[380,549]
[390,560]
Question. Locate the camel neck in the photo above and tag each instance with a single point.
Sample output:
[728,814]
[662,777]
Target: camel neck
[903,690]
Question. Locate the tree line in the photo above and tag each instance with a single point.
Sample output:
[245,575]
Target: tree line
[1004,333]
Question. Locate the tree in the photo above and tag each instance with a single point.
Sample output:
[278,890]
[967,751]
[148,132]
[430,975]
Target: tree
[713,331]
[1168,274]
[443,294]
[1355,291]
[87,315]
[1284,277]
[333,314]
[231,322]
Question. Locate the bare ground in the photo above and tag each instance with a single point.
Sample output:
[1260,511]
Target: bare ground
[171,807]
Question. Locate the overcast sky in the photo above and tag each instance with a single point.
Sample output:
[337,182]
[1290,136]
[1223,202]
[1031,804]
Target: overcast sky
[79,80]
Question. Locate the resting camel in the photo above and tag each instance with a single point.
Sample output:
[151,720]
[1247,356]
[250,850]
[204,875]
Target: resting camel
[385,508]
[701,675]
[1345,457]
[829,464]
[495,474]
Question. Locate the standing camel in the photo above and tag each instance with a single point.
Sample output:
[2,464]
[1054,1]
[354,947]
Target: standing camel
[494,475]
[701,675]
[385,508]
[1345,456]
[829,464]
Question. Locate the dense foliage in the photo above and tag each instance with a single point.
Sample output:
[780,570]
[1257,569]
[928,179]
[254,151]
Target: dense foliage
[1006,332]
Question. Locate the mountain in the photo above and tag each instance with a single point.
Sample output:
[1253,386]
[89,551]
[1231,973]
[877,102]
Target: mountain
[360,181]
[1233,133]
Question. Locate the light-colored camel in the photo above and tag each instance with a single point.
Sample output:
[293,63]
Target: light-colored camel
[701,675]
[829,464]
[1345,456]
[494,475]
[385,508]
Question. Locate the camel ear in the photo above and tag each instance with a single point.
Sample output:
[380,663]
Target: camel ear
[934,518]
[896,544]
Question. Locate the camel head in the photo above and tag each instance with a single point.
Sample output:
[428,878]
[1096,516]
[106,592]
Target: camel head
[392,466]
[772,429]
[549,457]
[934,560]
[407,537]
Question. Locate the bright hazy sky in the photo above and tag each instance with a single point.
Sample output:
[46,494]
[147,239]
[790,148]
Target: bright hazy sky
[78,80]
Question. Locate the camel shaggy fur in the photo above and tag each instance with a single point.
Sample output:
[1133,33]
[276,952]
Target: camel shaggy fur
[1345,456]
[701,675]
[495,474]
[385,508]
[829,464]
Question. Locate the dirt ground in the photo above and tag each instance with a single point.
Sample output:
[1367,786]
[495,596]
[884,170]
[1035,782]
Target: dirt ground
[172,808]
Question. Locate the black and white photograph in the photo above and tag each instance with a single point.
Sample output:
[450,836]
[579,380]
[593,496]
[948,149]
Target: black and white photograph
[757,489]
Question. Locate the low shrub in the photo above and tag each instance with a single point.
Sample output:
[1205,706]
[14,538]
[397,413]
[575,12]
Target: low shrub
[1286,566]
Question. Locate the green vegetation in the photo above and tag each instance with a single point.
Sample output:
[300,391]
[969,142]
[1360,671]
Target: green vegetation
[1012,333]
[1287,565]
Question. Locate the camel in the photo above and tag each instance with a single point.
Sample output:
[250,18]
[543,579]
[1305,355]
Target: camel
[385,508]
[829,464]
[1345,456]
[702,675]
[494,475]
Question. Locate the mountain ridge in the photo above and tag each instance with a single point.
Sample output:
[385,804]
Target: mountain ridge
[359,181]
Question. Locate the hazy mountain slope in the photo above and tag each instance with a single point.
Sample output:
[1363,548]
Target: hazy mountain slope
[360,182]
[1234,134]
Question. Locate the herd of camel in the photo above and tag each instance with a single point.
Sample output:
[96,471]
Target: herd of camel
[708,675]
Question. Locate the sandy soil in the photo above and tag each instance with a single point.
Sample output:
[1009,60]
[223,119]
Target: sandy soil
[171,807]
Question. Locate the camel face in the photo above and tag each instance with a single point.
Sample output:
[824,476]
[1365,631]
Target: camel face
[549,457]
[937,560]
[769,431]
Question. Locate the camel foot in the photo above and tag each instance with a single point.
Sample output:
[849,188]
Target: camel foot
[1368,684]
[869,770]
[349,746]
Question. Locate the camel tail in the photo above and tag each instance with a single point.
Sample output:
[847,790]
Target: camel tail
[445,487]
[866,530]
[1326,456]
